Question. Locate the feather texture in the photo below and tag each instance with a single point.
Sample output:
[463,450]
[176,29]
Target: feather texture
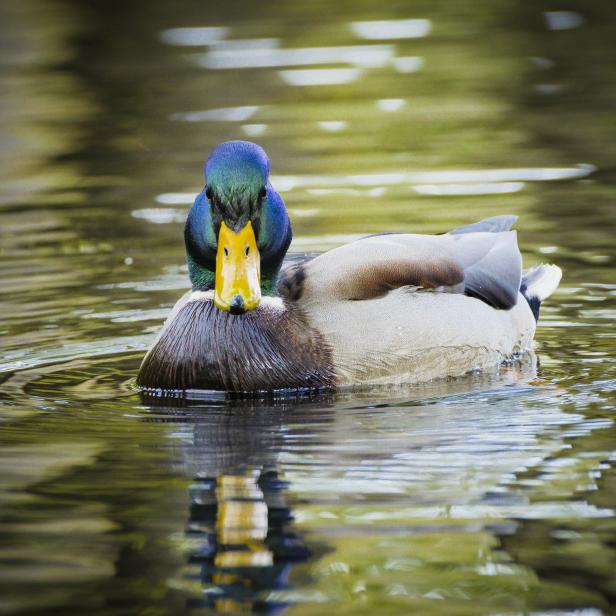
[484,265]
[202,347]
[495,224]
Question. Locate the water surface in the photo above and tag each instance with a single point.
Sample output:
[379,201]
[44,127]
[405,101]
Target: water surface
[481,495]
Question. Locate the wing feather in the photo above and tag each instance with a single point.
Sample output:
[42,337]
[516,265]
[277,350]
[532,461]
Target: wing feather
[482,264]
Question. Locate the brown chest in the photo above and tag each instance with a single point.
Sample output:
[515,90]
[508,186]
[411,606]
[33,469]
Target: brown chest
[272,347]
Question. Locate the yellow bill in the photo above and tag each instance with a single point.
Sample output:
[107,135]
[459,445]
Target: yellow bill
[238,270]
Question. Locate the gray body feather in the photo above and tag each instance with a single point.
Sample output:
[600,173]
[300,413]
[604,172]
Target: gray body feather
[495,224]
[481,264]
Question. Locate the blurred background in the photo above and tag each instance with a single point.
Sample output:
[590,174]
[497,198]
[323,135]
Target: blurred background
[473,497]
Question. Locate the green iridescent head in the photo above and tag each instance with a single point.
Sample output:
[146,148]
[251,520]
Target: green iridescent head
[237,214]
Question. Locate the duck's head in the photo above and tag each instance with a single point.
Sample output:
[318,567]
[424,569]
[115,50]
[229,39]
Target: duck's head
[238,230]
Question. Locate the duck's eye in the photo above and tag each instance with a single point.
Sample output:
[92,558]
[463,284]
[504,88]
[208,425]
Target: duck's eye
[247,250]
[263,193]
[208,192]
[226,252]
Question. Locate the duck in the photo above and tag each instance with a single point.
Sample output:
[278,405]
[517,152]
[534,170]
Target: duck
[386,309]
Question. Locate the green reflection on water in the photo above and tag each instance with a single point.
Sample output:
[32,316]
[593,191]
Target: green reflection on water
[476,496]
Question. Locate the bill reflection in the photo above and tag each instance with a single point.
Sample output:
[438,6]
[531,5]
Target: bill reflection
[239,541]
[247,546]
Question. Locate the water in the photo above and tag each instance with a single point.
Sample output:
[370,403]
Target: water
[476,496]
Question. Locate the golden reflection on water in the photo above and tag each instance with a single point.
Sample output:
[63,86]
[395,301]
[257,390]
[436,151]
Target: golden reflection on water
[238,525]
[241,528]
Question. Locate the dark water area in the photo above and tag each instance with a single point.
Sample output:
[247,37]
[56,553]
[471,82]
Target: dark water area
[479,495]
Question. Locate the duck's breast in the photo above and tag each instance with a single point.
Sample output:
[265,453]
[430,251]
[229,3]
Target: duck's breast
[203,347]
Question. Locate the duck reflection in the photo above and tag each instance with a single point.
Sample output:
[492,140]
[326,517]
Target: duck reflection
[247,547]
[240,527]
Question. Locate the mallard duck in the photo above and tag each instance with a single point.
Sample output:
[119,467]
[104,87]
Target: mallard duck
[385,309]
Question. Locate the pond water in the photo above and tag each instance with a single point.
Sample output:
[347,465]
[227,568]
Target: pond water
[474,496]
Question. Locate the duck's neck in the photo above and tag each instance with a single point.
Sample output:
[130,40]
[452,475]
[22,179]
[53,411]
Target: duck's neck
[202,278]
